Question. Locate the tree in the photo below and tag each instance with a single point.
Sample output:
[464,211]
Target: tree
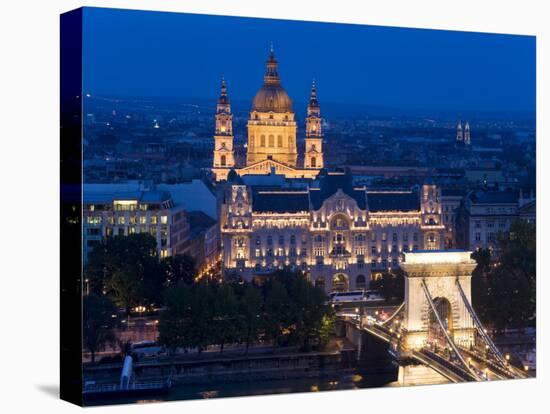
[188,320]
[177,318]
[180,267]
[504,284]
[250,309]
[99,324]
[277,311]
[308,308]
[226,308]
[391,285]
[126,267]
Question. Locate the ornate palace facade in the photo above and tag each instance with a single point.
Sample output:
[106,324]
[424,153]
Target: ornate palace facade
[271,133]
[339,235]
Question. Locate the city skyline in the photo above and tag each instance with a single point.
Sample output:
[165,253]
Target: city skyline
[446,71]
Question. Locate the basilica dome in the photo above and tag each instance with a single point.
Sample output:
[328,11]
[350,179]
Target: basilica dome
[272,97]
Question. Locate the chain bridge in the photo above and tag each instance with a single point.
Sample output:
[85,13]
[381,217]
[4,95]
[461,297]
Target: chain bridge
[436,325]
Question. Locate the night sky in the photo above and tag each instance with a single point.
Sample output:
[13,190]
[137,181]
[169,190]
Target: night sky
[136,53]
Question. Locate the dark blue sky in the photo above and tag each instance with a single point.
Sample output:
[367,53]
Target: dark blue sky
[136,53]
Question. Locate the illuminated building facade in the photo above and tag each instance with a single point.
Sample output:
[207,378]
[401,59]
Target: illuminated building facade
[341,236]
[272,129]
[112,210]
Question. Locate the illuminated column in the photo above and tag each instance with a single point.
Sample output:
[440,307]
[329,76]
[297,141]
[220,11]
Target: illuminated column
[224,158]
[313,157]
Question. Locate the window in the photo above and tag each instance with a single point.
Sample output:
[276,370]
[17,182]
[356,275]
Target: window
[281,239]
[262,141]
[293,239]
[373,250]
[373,237]
[478,236]
[478,224]
[257,253]
[280,252]
[394,237]
[258,241]
[271,141]
[121,220]
[360,282]
[384,236]
[405,236]
[163,219]
[153,219]
[269,240]
[313,162]
[222,161]
[415,236]
[94,220]
[142,220]
[93,232]
[279,141]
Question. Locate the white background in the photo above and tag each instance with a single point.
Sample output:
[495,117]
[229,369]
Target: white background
[29,254]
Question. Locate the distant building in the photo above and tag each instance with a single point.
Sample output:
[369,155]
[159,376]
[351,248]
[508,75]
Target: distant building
[111,211]
[205,242]
[459,133]
[467,136]
[463,135]
[450,204]
[485,214]
[341,236]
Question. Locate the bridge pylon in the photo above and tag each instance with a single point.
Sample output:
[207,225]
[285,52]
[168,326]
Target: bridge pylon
[433,301]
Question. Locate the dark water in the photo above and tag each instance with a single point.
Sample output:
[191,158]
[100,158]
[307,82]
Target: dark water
[348,381]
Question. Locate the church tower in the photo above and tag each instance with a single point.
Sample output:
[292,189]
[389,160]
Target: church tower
[271,126]
[313,157]
[459,133]
[467,140]
[224,158]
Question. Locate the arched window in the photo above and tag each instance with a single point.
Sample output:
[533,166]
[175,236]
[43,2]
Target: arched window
[222,160]
[293,239]
[313,162]
[320,282]
[280,141]
[360,282]
[262,141]
[340,283]
[271,141]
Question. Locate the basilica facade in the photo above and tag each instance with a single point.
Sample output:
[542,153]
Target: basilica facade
[272,129]
[339,235]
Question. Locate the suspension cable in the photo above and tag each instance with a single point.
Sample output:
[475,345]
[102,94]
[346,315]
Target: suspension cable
[447,336]
[399,309]
[479,326]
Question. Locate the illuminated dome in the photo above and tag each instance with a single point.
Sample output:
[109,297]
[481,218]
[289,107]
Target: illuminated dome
[272,97]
